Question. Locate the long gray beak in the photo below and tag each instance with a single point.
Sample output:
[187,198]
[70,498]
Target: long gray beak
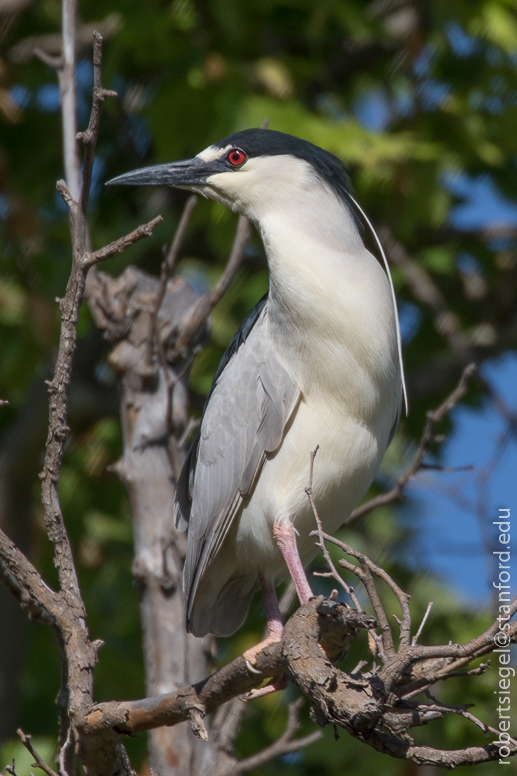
[191,172]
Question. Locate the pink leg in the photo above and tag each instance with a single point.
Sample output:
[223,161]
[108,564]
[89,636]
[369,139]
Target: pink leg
[274,624]
[285,536]
[274,633]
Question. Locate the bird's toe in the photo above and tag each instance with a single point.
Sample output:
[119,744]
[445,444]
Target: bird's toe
[279,684]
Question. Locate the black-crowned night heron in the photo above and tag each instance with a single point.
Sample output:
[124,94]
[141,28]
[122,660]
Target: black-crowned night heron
[317,362]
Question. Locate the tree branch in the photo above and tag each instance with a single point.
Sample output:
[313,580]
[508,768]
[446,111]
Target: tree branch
[39,762]
[65,609]
[68,94]
[286,744]
[426,440]
[120,245]
[204,307]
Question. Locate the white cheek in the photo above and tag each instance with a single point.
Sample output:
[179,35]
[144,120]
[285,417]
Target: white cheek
[222,195]
[230,189]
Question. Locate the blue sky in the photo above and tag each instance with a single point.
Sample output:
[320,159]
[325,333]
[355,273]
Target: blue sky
[457,534]
[453,538]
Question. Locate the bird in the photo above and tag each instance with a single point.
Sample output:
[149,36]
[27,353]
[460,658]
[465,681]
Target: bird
[317,364]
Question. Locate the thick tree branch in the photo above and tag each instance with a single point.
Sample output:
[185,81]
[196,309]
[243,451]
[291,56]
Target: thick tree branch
[229,682]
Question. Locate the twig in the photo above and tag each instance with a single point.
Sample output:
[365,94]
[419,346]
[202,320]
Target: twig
[321,543]
[426,440]
[89,137]
[364,574]
[206,304]
[415,638]
[286,744]
[462,710]
[120,245]
[56,63]
[38,761]
[368,567]
[158,345]
[172,254]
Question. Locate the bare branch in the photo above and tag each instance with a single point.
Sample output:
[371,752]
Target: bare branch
[38,761]
[56,63]
[321,543]
[65,609]
[172,379]
[26,583]
[426,440]
[426,291]
[358,703]
[204,307]
[172,254]
[120,245]
[135,716]
[89,137]
[282,746]
[415,638]
[68,94]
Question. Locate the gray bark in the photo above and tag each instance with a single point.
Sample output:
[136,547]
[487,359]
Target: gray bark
[154,409]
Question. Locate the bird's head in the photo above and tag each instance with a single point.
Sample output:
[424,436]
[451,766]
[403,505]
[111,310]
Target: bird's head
[251,172]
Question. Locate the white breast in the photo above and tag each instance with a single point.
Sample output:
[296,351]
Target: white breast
[331,317]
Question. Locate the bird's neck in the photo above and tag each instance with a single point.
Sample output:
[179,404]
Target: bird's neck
[330,307]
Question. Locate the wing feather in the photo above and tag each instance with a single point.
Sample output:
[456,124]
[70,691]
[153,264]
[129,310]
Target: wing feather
[247,411]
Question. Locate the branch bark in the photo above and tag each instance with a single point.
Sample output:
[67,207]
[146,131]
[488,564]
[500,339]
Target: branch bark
[361,703]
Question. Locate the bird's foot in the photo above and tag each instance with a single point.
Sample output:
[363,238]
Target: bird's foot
[250,656]
[279,684]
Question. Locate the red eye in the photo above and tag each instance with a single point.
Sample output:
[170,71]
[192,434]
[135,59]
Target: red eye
[236,157]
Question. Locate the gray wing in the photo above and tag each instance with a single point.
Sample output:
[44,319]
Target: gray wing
[249,406]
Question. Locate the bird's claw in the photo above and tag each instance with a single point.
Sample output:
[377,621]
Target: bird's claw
[250,668]
[250,656]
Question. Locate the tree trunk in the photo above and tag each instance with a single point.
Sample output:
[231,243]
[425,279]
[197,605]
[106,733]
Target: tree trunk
[154,410]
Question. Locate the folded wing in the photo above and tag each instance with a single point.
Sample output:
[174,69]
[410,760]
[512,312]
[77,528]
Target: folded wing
[247,411]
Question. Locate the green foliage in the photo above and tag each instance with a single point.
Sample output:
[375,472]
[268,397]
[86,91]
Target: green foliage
[188,73]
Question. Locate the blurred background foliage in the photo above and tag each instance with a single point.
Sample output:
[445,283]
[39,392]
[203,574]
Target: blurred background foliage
[420,99]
